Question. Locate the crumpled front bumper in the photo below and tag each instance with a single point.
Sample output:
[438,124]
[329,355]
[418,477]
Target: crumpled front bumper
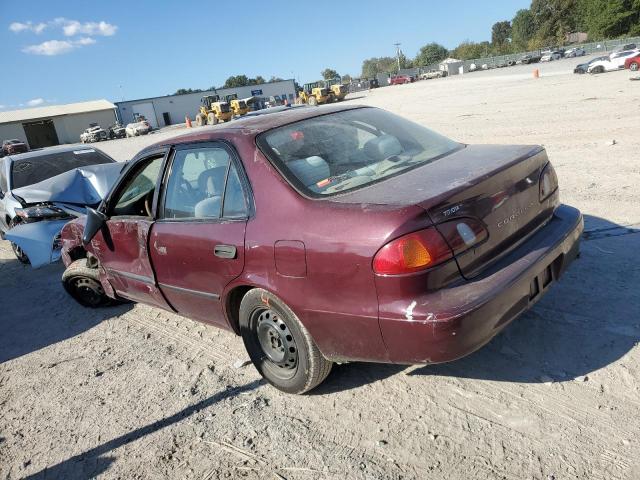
[453,322]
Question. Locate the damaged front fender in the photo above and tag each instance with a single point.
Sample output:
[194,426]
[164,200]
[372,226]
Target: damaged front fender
[38,240]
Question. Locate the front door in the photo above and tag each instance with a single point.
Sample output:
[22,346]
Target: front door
[122,244]
[197,243]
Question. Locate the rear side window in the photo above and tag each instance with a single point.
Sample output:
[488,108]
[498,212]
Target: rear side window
[335,153]
[36,168]
[203,183]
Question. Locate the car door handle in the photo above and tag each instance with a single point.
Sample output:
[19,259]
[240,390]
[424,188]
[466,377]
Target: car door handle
[225,251]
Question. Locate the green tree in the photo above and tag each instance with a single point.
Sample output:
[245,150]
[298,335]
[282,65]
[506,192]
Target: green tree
[274,79]
[329,74]
[522,29]
[609,18]
[235,81]
[430,53]
[346,78]
[554,19]
[258,80]
[468,50]
[372,66]
[501,33]
[184,91]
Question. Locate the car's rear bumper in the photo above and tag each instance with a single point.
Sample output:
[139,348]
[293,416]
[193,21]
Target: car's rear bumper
[453,322]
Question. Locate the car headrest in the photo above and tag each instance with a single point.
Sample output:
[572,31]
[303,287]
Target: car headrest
[208,208]
[310,170]
[382,147]
[216,174]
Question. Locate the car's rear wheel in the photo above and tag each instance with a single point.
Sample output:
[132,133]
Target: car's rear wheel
[279,346]
[83,284]
[634,66]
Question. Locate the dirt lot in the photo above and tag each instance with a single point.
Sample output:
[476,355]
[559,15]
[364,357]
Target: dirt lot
[140,393]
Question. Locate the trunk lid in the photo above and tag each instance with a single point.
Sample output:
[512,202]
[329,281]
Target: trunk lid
[498,185]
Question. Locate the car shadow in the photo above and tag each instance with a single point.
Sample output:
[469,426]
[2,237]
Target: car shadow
[37,312]
[587,321]
[95,461]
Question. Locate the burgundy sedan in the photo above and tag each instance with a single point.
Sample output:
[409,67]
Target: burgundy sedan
[329,234]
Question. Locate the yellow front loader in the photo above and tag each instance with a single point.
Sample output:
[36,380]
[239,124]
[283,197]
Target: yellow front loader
[213,111]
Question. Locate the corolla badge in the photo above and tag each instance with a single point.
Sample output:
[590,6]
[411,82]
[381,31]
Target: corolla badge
[518,213]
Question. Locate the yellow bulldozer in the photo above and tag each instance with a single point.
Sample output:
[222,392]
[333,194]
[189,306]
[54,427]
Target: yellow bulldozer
[337,89]
[213,110]
[239,107]
[315,94]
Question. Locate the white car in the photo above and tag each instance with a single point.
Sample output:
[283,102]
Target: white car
[551,56]
[574,52]
[138,128]
[613,62]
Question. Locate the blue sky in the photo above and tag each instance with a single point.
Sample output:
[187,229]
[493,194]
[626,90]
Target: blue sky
[74,50]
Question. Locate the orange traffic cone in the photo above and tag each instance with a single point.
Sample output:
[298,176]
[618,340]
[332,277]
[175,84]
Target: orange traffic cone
[187,120]
[536,73]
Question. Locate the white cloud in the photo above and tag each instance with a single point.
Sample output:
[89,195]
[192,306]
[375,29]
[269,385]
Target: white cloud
[50,48]
[17,27]
[35,102]
[58,47]
[72,27]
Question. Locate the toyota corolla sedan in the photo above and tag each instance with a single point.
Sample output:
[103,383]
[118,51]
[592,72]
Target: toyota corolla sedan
[329,234]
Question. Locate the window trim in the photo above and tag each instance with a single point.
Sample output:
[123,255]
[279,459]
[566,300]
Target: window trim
[134,164]
[234,159]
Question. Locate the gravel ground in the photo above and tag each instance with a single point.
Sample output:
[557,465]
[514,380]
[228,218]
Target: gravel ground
[134,392]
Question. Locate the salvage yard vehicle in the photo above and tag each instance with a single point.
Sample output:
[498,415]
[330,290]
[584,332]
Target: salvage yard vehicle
[400,79]
[23,196]
[117,131]
[337,89]
[574,52]
[433,74]
[632,63]
[583,67]
[529,58]
[314,93]
[613,62]
[329,234]
[13,146]
[551,56]
[137,128]
[94,133]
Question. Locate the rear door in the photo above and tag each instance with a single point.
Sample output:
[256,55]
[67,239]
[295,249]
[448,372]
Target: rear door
[197,244]
[121,246]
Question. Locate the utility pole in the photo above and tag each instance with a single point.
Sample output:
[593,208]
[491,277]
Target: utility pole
[397,45]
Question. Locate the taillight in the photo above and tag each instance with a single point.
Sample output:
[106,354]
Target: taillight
[548,182]
[413,252]
[430,247]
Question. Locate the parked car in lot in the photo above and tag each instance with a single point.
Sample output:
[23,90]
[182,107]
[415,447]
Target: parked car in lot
[314,233]
[550,56]
[400,79]
[583,67]
[138,128]
[433,74]
[117,131]
[529,58]
[632,63]
[21,176]
[10,147]
[613,62]
[574,52]
[94,133]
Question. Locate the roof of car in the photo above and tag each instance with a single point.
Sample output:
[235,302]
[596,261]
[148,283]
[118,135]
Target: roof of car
[49,150]
[254,124]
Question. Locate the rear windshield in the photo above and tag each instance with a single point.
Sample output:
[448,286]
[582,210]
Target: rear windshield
[343,151]
[35,169]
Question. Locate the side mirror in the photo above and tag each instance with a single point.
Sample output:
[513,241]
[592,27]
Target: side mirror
[95,221]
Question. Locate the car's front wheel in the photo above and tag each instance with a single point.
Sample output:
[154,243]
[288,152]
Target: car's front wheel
[83,284]
[279,346]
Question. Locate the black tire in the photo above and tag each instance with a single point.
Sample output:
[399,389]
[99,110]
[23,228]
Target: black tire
[17,251]
[201,120]
[212,119]
[634,66]
[83,284]
[313,101]
[279,346]
[598,70]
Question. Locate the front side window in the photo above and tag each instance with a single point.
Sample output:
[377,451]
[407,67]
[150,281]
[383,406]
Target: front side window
[135,197]
[335,153]
[203,184]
